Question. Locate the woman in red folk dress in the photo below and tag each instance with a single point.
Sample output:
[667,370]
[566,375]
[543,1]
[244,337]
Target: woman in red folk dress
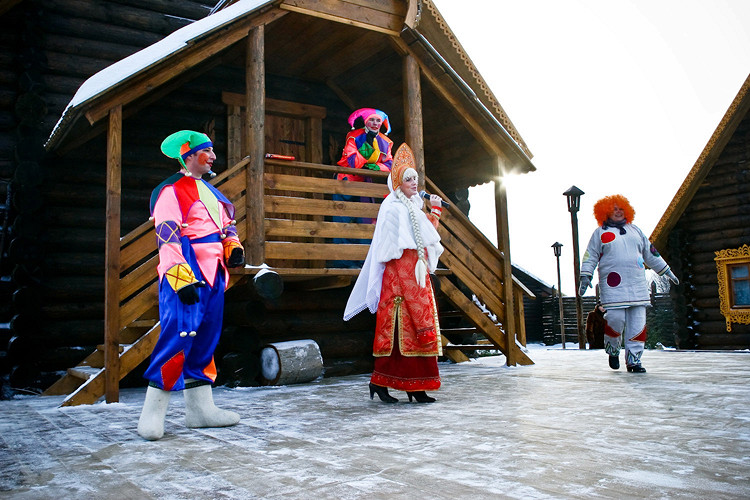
[395,284]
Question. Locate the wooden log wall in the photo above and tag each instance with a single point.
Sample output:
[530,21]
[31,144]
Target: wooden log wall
[715,219]
[55,259]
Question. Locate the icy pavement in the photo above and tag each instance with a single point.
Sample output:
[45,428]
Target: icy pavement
[567,427]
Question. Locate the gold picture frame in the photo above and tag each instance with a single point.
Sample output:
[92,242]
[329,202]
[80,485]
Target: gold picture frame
[724,259]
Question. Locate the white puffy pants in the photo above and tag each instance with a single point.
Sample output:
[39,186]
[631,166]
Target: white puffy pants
[629,324]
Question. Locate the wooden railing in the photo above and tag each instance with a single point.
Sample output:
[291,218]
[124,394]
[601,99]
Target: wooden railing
[299,233]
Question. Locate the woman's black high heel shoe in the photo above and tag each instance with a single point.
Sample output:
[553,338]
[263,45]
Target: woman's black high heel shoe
[382,393]
[421,397]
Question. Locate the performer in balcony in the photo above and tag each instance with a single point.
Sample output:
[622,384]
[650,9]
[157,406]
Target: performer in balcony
[364,148]
[622,251]
[395,284]
[197,242]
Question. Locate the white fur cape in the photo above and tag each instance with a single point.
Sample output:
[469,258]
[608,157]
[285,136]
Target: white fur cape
[393,234]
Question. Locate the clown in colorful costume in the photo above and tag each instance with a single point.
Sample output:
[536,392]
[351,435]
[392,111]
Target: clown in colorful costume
[621,251]
[197,242]
[367,147]
[394,283]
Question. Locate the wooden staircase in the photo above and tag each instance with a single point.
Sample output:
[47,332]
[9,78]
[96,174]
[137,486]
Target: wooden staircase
[296,206]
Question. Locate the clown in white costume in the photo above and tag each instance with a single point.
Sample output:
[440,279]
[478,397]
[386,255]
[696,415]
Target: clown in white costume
[622,251]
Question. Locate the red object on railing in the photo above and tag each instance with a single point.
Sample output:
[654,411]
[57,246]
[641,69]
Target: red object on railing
[279,157]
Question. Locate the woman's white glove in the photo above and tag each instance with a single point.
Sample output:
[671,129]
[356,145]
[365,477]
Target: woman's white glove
[669,274]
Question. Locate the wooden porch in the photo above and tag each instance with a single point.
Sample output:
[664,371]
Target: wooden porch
[296,223]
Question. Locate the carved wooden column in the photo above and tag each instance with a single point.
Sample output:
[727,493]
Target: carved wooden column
[413,114]
[503,244]
[112,258]
[255,99]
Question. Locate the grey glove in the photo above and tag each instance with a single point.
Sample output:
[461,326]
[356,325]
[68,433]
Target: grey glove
[669,274]
[584,284]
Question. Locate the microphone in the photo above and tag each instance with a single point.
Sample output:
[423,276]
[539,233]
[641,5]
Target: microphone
[426,196]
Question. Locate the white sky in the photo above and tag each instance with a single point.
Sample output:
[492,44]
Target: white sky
[615,96]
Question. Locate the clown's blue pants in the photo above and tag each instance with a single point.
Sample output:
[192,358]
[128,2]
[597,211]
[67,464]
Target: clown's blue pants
[175,357]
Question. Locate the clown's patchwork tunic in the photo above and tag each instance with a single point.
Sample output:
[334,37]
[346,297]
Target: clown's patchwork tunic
[359,154]
[195,233]
[621,259]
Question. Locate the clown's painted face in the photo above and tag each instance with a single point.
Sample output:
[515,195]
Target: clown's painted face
[200,162]
[373,123]
[618,214]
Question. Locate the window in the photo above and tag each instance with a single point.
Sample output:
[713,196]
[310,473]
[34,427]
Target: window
[733,275]
[740,284]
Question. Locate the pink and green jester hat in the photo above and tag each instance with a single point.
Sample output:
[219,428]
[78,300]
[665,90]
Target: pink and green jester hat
[366,113]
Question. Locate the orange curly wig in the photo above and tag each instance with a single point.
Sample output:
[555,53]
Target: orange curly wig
[604,208]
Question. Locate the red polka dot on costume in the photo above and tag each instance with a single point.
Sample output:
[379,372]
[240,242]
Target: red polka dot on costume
[613,279]
[608,237]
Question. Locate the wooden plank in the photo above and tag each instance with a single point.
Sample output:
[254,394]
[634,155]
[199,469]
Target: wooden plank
[503,236]
[255,80]
[478,318]
[234,134]
[413,113]
[134,308]
[181,61]
[326,186]
[138,278]
[352,14]
[112,254]
[304,228]
[278,107]
[306,206]
[488,296]
[519,315]
[315,251]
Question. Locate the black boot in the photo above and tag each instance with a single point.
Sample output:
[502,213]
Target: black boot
[421,397]
[382,393]
[614,362]
[636,369]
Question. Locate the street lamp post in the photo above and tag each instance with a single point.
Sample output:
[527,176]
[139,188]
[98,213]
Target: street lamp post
[557,247]
[573,196]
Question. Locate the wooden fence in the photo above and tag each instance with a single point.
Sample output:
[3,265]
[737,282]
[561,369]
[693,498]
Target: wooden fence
[660,320]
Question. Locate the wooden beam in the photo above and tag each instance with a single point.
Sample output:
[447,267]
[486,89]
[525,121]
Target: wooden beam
[503,244]
[112,257]
[385,18]
[413,113]
[255,81]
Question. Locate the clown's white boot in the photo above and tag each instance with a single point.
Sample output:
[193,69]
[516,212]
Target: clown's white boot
[151,423]
[200,410]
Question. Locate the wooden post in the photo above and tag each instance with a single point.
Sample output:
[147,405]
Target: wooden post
[255,109]
[112,258]
[413,114]
[503,244]
[234,135]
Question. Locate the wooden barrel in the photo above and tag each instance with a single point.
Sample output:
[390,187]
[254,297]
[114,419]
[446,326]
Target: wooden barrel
[292,362]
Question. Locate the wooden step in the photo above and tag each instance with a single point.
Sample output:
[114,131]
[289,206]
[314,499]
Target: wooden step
[471,347]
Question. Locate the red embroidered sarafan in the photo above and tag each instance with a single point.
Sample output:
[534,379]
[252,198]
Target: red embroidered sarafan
[406,306]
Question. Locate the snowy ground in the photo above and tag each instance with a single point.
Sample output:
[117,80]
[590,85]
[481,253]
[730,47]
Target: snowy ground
[566,427]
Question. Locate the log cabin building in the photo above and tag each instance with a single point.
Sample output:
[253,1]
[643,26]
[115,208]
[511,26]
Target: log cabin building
[102,83]
[705,236]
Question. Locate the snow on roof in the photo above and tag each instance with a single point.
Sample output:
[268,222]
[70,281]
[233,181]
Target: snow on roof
[132,65]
